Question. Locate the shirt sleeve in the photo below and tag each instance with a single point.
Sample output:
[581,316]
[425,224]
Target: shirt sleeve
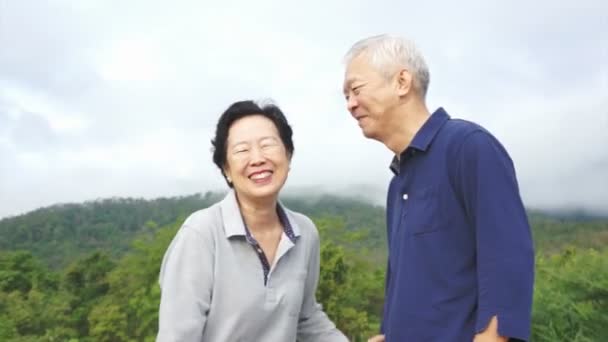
[186,279]
[505,253]
[313,324]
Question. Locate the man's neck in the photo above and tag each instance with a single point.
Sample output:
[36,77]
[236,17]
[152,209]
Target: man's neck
[408,120]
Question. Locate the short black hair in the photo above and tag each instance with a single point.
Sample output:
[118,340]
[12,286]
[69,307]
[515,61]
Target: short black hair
[241,109]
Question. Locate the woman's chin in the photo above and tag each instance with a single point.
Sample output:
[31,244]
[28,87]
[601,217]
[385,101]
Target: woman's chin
[262,191]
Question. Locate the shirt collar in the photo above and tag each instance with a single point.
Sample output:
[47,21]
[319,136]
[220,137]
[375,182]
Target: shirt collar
[234,224]
[424,137]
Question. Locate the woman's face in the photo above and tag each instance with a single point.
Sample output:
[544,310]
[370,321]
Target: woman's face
[256,159]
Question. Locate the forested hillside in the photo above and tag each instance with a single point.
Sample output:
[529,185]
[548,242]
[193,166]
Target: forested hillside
[88,272]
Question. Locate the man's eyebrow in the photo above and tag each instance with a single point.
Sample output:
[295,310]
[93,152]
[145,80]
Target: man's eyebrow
[348,83]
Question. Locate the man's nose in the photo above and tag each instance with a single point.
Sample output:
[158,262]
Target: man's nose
[351,103]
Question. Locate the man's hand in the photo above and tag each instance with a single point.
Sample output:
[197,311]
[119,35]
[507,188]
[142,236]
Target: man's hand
[491,333]
[377,338]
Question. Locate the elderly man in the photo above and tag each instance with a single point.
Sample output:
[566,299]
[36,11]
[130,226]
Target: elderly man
[461,259]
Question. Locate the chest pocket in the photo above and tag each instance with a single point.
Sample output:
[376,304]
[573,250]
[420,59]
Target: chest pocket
[421,212]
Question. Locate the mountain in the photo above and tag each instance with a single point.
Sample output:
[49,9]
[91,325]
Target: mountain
[59,233]
[89,272]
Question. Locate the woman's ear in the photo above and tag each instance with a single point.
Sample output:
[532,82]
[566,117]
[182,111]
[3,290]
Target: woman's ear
[226,173]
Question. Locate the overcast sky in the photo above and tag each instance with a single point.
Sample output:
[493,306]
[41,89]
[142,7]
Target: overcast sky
[106,98]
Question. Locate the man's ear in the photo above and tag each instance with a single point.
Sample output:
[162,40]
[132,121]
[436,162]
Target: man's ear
[405,82]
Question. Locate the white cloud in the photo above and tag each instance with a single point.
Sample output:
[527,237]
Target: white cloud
[134,59]
[109,98]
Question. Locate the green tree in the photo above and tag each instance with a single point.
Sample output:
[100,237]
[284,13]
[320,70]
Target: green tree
[134,291]
[571,297]
[348,285]
[86,283]
[108,323]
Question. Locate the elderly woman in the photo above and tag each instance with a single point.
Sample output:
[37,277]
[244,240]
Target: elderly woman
[246,268]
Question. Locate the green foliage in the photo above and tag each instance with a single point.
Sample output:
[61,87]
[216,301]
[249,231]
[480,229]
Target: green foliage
[31,307]
[349,286]
[571,296]
[21,271]
[90,272]
[86,281]
[364,222]
[108,323]
[7,327]
[65,232]
[552,234]
[134,291]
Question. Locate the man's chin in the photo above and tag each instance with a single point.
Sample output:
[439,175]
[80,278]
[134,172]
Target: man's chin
[369,134]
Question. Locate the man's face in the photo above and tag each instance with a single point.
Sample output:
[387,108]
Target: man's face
[370,97]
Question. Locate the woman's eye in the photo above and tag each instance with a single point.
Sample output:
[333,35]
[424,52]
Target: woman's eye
[268,143]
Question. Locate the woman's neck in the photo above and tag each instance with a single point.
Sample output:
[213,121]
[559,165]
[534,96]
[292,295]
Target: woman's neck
[259,216]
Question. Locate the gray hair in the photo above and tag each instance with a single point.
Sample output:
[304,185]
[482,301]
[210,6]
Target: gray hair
[389,53]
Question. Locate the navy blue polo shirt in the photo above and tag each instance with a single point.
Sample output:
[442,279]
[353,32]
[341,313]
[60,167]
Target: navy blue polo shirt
[460,247]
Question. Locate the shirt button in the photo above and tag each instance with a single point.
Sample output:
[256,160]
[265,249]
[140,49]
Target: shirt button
[405,196]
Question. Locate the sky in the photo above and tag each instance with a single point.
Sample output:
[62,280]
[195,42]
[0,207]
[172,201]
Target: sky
[120,98]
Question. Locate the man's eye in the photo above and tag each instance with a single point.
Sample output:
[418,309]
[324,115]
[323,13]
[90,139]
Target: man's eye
[356,90]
